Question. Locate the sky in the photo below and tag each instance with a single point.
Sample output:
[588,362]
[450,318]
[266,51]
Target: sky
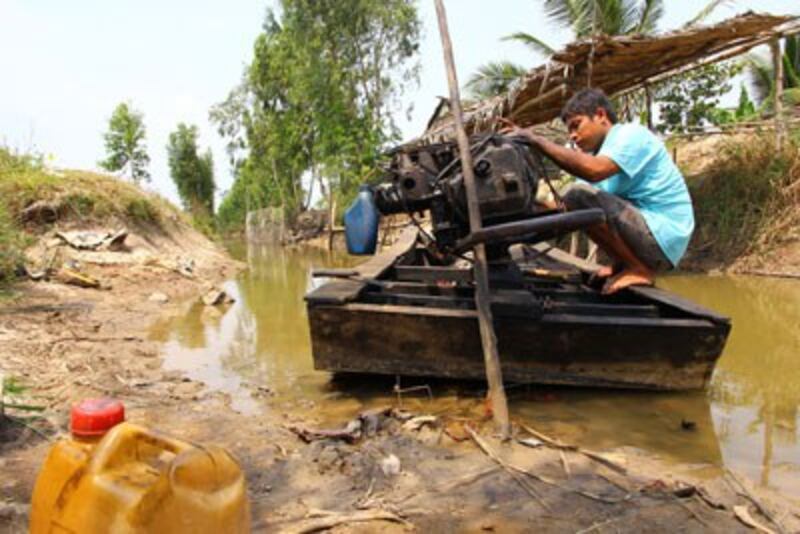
[64,66]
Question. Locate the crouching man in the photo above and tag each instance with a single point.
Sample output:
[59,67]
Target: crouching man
[631,177]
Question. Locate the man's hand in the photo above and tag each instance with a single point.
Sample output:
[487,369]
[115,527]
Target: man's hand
[587,166]
[512,130]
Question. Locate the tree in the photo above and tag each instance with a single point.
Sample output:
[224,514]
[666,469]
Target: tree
[193,174]
[761,71]
[125,147]
[493,78]
[610,17]
[744,111]
[586,18]
[690,100]
[315,100]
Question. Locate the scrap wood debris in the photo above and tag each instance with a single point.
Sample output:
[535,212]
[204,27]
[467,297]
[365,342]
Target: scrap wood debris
[604,459]
[183,266]
[743,515]
[515,471]
[367,424]
[745,492]
[70,272]
[72,276]
[92,240]
[317,520]
[415,423]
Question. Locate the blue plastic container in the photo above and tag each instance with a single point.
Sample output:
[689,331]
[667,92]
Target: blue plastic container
[361,223]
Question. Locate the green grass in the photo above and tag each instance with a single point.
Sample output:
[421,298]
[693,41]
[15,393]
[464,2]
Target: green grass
[11,245]
[141,210]
[82,195]
[750,202]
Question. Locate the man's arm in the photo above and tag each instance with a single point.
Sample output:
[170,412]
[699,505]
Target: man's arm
[590,168]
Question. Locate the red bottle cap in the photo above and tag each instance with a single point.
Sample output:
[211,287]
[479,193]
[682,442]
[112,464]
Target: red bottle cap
[94,417]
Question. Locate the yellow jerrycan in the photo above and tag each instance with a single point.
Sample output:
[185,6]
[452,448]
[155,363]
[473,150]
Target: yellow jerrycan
[117,477]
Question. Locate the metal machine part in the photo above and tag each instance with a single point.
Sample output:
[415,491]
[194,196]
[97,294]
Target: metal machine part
[429,178]
[507,172]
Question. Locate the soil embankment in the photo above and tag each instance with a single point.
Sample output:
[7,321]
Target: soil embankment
[746,195]
[387,469]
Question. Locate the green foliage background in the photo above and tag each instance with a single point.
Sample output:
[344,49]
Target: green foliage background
[193,174]
[315,101]
[125,144]
[690,101]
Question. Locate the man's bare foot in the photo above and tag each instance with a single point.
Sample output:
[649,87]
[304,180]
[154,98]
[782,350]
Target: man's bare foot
[604,273]
[627,278]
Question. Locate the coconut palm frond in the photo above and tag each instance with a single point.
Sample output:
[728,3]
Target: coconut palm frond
[762,76]
[706,11]
[493,78]
[587,18]
[562,12]
[761,70]
[534,43]
[791,76]
[629,14]
[648,16]
[791,55]
[610,17]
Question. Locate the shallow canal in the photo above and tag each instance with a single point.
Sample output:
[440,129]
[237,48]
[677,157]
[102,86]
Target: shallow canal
[747,420]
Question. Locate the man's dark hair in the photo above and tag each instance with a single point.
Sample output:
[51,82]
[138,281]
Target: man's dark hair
[586,102]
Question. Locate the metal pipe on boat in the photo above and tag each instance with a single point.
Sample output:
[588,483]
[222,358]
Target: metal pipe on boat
[561,222]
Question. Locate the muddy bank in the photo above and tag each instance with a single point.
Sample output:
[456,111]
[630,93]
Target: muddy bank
[389,471]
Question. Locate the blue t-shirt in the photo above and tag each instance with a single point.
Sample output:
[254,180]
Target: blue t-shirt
[650,181]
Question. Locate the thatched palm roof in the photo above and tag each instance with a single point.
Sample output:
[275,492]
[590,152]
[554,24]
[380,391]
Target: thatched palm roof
[615,64]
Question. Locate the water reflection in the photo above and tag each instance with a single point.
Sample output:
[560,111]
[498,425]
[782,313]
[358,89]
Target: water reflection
[755,391]
[262,337]
[748,419]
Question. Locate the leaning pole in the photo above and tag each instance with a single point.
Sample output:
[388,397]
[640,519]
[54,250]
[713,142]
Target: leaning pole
[494,375]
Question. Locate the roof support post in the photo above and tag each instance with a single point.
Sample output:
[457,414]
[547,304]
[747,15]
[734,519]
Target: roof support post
[494,375]
[777,59]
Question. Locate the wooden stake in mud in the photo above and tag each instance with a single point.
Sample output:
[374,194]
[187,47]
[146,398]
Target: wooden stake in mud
[494,375]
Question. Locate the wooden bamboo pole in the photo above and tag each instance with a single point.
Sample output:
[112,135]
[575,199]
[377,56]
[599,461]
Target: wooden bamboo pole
[494,375]
[777,59]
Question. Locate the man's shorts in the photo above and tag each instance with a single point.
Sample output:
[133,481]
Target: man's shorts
[624,219]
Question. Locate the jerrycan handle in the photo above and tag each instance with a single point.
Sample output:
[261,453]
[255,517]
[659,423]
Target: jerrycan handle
[120,446]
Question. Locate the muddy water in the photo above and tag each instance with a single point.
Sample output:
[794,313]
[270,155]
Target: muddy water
[747,420]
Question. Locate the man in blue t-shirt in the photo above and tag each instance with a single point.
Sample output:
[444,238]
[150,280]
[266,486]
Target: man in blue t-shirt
[649,217]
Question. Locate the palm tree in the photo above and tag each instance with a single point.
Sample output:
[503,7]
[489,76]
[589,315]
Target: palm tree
[762,73]
[586,18]
[610,17]
[493,78]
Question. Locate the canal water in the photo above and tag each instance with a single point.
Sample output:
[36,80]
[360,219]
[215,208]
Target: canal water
[747,419]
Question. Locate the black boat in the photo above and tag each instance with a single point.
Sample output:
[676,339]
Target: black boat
[395,315]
